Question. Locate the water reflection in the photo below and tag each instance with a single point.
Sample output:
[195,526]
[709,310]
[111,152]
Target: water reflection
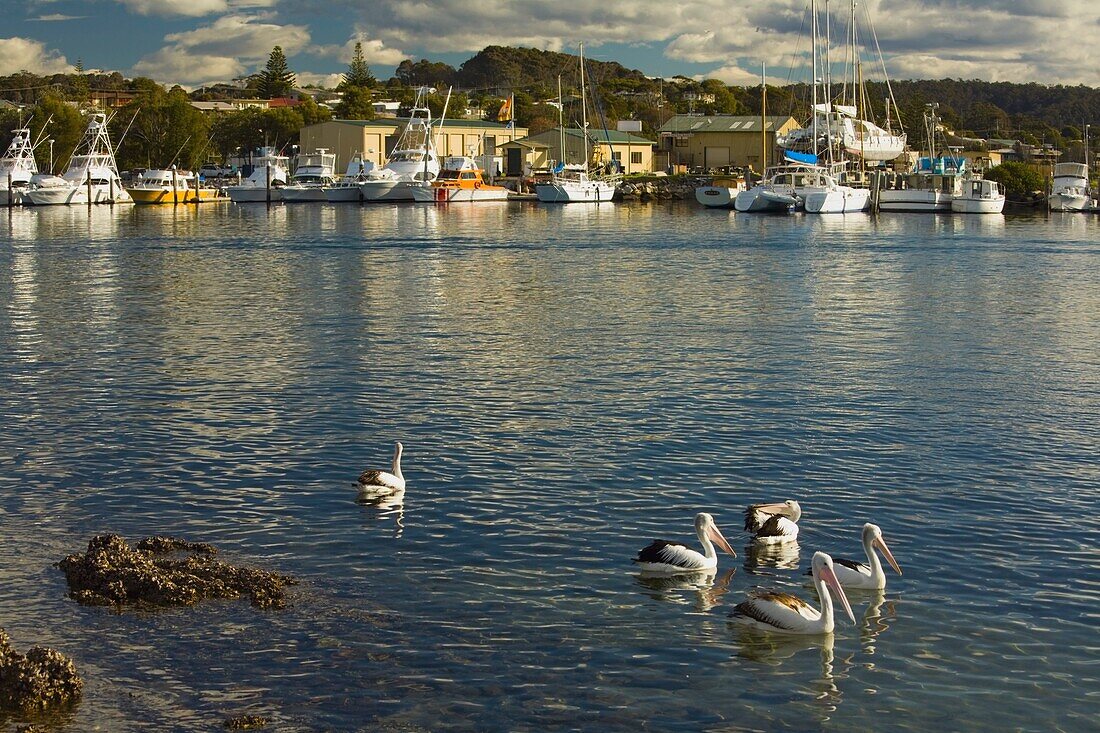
[877,617]
[386,503]
[704,589]
[782,556]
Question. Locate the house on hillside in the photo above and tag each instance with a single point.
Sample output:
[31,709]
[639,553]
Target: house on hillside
[633,154]
[720,141]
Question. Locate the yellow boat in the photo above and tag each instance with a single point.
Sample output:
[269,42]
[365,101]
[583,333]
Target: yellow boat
[170,187]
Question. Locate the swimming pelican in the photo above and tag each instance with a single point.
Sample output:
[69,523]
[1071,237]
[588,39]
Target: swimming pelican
[673,557]
[391,480]
[869,575]
[787,614]
[773,523]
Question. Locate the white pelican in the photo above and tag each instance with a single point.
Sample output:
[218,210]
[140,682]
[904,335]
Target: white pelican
[674,557]
[773,523]
[787,614]
[389,479]
[869,575]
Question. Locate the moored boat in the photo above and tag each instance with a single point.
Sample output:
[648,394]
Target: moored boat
[979,196]
[170,186]
[460,180]
[91,176]
[269,175]
[17,168]
[315,171]
[347,187]
[1070,189]
[721,192]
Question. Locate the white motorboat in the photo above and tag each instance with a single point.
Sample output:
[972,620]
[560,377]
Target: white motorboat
[17,168]
[265,184]
[573,183]
[347,187]
[315,171]
[460,180]
[834,197]
[721,193]
[91,176]
[1070,190]
[979,196]
[413,160]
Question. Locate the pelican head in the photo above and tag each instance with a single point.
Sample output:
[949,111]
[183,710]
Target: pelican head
[872,538]
[789,509]
[705,527]
[822,570]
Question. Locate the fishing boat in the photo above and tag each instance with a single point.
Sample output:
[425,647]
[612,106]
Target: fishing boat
[575,183]
[347,187]
[412,162]
[979,196]
[315,171]
[265,184]
[459,180]
[1070,190]
[170,186]
[934,181]
[91,176]
[17,168]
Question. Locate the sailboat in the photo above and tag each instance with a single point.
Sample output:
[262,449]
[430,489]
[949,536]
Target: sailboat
[91,177]
[571,184]
[17,168]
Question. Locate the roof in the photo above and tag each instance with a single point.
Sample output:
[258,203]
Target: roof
[599,134]
[391,121]
[723,123]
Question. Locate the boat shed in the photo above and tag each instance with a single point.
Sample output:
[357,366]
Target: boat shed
[540,152]
[375,139]
[721,141]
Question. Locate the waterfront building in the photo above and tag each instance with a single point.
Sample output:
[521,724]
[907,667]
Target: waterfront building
[542,151]
[719,141]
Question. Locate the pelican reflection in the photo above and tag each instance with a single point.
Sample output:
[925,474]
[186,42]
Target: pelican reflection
[876,619]
[387,502]
[707,586]
[783,556]
[778,649]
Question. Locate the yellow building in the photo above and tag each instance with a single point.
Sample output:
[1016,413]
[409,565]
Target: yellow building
[376,139]
[718,141]
[540,152]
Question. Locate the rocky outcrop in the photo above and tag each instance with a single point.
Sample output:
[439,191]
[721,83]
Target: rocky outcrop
[37,681]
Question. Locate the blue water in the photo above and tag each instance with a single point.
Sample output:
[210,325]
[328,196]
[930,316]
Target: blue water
[569,384]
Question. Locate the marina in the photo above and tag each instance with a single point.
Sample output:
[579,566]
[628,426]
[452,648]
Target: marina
[567,383]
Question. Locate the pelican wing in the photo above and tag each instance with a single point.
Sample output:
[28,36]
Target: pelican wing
[377,478]
[754,517]
[777,526]
[671,553]
[859,567]
[781,610]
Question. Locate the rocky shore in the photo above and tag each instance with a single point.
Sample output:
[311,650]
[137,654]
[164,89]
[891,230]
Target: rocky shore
[39,680]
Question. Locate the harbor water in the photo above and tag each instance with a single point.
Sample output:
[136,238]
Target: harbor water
[569,383]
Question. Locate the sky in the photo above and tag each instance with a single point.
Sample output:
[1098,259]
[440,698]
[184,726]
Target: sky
[196,42]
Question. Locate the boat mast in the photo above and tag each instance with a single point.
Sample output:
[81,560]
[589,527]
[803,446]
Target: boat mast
[584,109]
[829,86]
[763,117]
[561,127]
[813,62]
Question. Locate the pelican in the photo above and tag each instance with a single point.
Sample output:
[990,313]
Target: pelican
[370,480]
[869,575]
[673,557]
[773,523]
[787,614]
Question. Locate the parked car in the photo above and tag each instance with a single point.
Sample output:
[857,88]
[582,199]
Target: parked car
[210,170]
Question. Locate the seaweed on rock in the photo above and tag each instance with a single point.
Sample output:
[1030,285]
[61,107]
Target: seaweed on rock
[153,574]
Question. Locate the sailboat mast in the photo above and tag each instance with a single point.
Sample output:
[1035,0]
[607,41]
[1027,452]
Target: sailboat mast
[584,110]
[828,86]
[763,117]
[561,126]
[813,56]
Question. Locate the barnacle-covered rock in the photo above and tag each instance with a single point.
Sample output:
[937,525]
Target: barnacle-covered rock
[39,680]
[154,573]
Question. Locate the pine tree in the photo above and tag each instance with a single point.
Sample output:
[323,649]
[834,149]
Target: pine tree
[81,88]
[276,80]
[358,74]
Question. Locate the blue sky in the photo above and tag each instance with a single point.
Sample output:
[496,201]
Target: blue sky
[192,42]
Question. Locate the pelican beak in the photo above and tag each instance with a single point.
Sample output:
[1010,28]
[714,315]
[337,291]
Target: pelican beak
[830,579]
[881,543]
[719,540]
[777,508]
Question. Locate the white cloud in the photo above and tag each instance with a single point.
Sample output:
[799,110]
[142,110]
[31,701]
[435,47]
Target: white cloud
[54,17]
[230,46]
[327,81]
[374,51]
[18,54]
[193,8]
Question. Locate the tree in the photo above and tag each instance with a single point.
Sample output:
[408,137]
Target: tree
[358,74]
[66,126]
[356,104]
[276,80]
[166,129]
[1019,179]
[311,112]
[80,82]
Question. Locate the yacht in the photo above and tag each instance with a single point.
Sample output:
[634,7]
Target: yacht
[979,196]
[1070,190]
[929,187]
[347,188]
[315,171]
[460,180]
[170,186]
[412,162]
[17,168]
[791,186]
[269,174]
[91,177]
[840,128]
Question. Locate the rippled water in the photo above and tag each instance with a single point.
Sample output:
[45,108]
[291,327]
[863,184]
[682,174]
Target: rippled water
[569,383]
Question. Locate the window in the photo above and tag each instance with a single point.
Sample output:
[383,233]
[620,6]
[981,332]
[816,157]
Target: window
[617,155]
[681,142]
[635,158]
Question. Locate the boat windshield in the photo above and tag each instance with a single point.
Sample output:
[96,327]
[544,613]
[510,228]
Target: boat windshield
[406,156]
[448,175]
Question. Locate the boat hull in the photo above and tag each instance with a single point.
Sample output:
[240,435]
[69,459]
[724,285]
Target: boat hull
[915,200]
[343,194]
[761,201]
[387,190]
[566,193]
[253,194]
[977,206]
[841,200]
[305,194]
[147,196]
[1069,202]
[13,197]
[717,197]
[444,195]
[76,196]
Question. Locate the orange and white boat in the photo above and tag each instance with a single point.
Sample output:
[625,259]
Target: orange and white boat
[460,180]
[170,186]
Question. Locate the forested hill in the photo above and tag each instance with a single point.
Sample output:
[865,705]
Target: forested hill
[496,65]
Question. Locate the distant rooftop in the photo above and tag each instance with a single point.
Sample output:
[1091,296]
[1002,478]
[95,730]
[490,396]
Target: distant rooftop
[389,122]
[722,123]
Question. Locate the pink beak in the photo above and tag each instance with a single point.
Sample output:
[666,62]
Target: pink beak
[830,579]
[719,540]
[881,543]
